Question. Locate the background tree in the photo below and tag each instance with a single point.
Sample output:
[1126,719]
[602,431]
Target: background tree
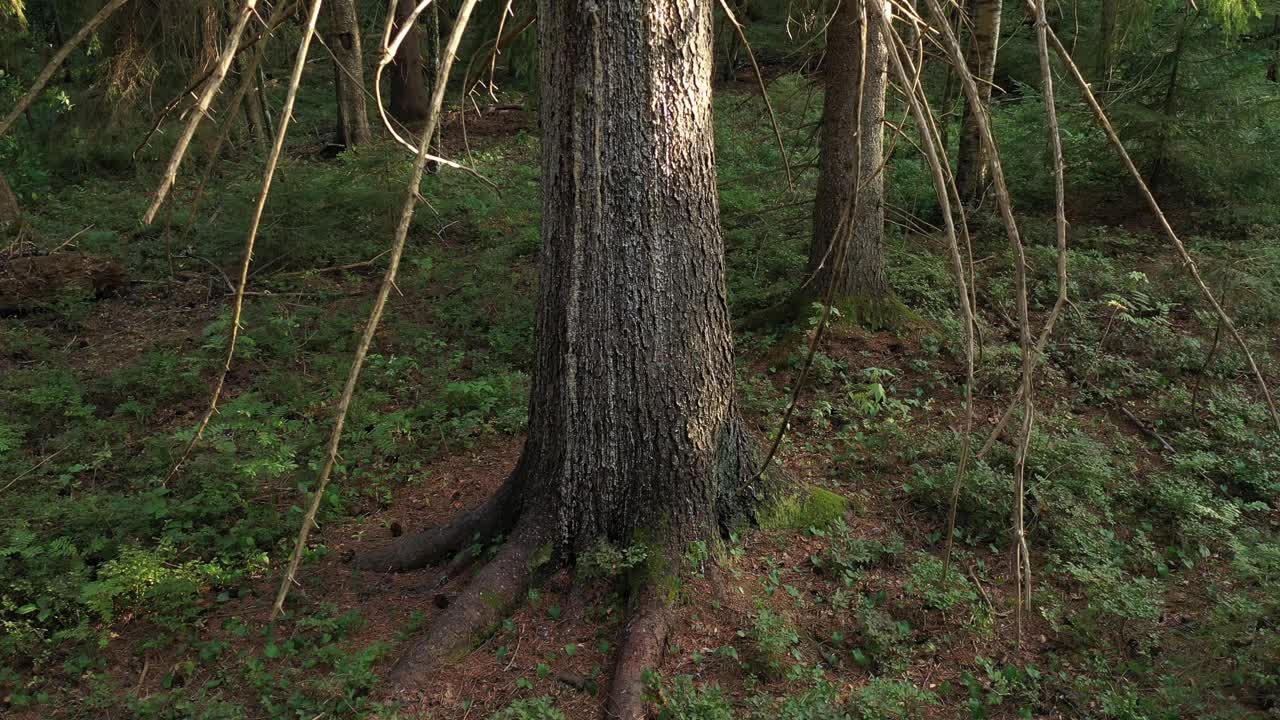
[410,101]
[847,256]
[972,177]
[348,73]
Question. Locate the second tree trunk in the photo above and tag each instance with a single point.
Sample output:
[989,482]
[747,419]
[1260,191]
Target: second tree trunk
[847,253]
[972,177]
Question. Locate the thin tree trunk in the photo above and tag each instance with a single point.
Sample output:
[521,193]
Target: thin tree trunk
[972,174]
[1160,162]
[410,101]
[1105,62]
[255,115]
[343,37]
[634,432]
[1273,67]
[849,204]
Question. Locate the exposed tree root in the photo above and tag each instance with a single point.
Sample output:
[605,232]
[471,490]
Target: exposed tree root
[488,598]
[641,650]
[494,517]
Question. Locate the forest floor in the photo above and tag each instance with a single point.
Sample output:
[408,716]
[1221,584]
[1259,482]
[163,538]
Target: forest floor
[1153,478]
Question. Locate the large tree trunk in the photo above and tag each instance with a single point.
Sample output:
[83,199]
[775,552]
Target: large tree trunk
[348,73]
[972,176]
[410,101]
[633,427]
[847,256]
[634,434]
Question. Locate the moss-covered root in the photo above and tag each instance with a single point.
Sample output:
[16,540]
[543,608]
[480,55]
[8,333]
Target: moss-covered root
[642,649]
[487,599]
[809,507]
[886,313]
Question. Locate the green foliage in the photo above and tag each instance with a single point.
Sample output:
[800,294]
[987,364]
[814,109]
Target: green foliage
[848,556]
[540,708]
[938,590]
[608,561]
[773,643]
[885,699]
[682,700]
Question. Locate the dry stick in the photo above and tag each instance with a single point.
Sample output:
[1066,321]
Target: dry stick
[937,161]
[56,62]
[273,159]
[1101,116]
[980,113]
[829,296]
[375,315]
[764,91]
[201,109]
[247,84]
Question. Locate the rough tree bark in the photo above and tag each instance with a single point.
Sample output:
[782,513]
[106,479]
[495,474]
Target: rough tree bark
[972,175]
[852,158]
[634,433]
[343,37]
[410,101]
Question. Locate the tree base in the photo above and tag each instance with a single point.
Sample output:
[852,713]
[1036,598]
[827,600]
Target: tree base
[530,553]
[870,313]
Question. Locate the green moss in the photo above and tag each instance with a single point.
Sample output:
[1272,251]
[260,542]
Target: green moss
[886,313]
[493,600]
[812,507]
[541,556]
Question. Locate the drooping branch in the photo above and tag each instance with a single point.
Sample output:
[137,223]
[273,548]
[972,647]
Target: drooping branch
[980,114]
[945,191]
[247,85]
[384,291]
[389,47]
[56,62]
[1101,116]
[201,109]
[1060,218]
[286,114]
[279,13]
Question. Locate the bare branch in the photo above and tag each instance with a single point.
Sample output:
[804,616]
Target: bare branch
[764,91]
[1101,116]
[201,109]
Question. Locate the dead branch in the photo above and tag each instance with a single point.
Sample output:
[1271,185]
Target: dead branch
[764,91]
[1005,204]
[944,188]
[829,296]
[1101,116]
[201,109]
